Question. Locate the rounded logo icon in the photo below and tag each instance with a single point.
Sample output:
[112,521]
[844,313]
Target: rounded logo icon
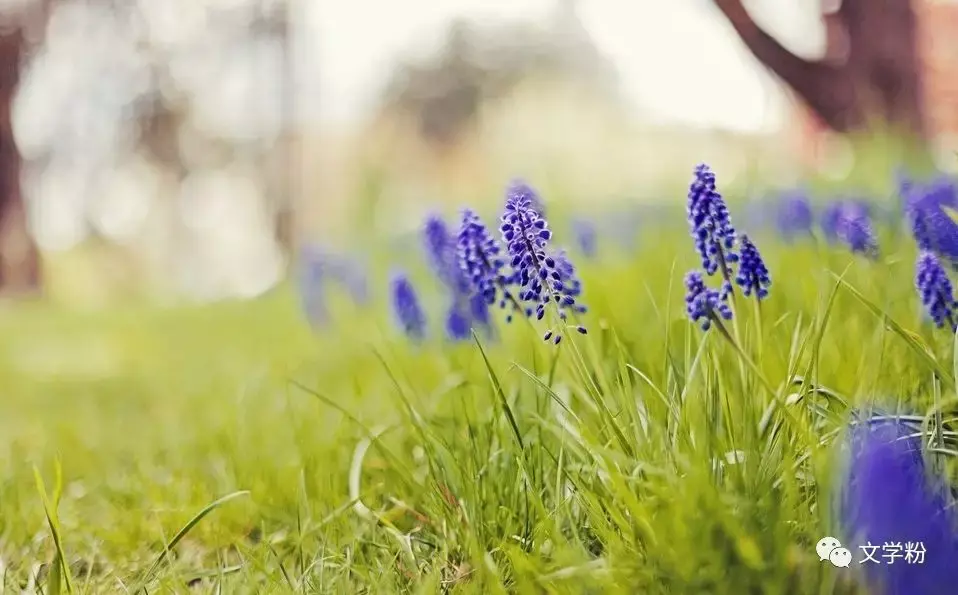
[825,546]
[840,557]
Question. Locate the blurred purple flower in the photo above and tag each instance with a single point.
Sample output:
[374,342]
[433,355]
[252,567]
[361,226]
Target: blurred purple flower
[850,223]
[406,306]
[794,215]
[312,287]
[935,290]
[890,502]
[585,236]
[482,262]
[458,323]
[441,249]
[931,226]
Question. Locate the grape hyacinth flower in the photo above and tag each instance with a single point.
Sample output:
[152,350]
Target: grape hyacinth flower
[703,303]
[536,273]
[312,287]
[888,497]
[520,188]
[710,224]
[933,229]
[849,222]
[479,310]
[585,236]
[833,213]
[441,250]
[406,307]
[935,290]
[836,214]
[481,260]
[857,232]
[571,285]
[752,274]
[794,215]
[458,324]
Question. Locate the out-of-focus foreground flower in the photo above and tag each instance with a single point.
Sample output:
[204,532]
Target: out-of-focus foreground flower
[891,505]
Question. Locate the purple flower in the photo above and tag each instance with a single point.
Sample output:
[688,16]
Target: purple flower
[703,303]
[710,224]
[571,285]
[536,273]
[482,262]
[931,226]
[891,505]
[406,307]
[752,274]
[935,290]
[585,235]
[519,188]
[833,214]
[312,287]
[858,234]
[849,222]
[458,324]
[441,250]
[479,310]
[794,215]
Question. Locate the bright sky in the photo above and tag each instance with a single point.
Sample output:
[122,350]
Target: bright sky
[677,59]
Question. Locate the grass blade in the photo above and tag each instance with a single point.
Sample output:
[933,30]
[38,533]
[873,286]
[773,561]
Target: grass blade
[60,567]
[910,338]
[184,531]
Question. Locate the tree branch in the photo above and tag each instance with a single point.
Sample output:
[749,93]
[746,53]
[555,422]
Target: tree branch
[823,86]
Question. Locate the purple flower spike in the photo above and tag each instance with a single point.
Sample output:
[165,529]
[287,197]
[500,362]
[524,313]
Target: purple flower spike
[441,249]
[483,264]
[935,290]
[710,224]
[458,324]
[850,223]
[933,229]
[752,274]
[542,278]
[406,307]
[794,216]
[703,303]
[586,237]
[899,520]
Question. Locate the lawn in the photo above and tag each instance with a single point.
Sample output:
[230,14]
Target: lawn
[646,456]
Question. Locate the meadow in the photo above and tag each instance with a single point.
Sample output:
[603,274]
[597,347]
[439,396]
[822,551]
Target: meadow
[234,448]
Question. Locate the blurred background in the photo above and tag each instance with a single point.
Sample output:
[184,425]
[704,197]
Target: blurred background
[188,149]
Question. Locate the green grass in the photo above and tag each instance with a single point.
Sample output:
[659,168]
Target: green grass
[371,465]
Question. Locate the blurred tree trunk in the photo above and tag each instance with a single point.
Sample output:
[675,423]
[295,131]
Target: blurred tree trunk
[19,257]
[870,74]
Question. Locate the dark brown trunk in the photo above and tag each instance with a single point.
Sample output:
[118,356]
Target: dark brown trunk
[871,71]
[19,257]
